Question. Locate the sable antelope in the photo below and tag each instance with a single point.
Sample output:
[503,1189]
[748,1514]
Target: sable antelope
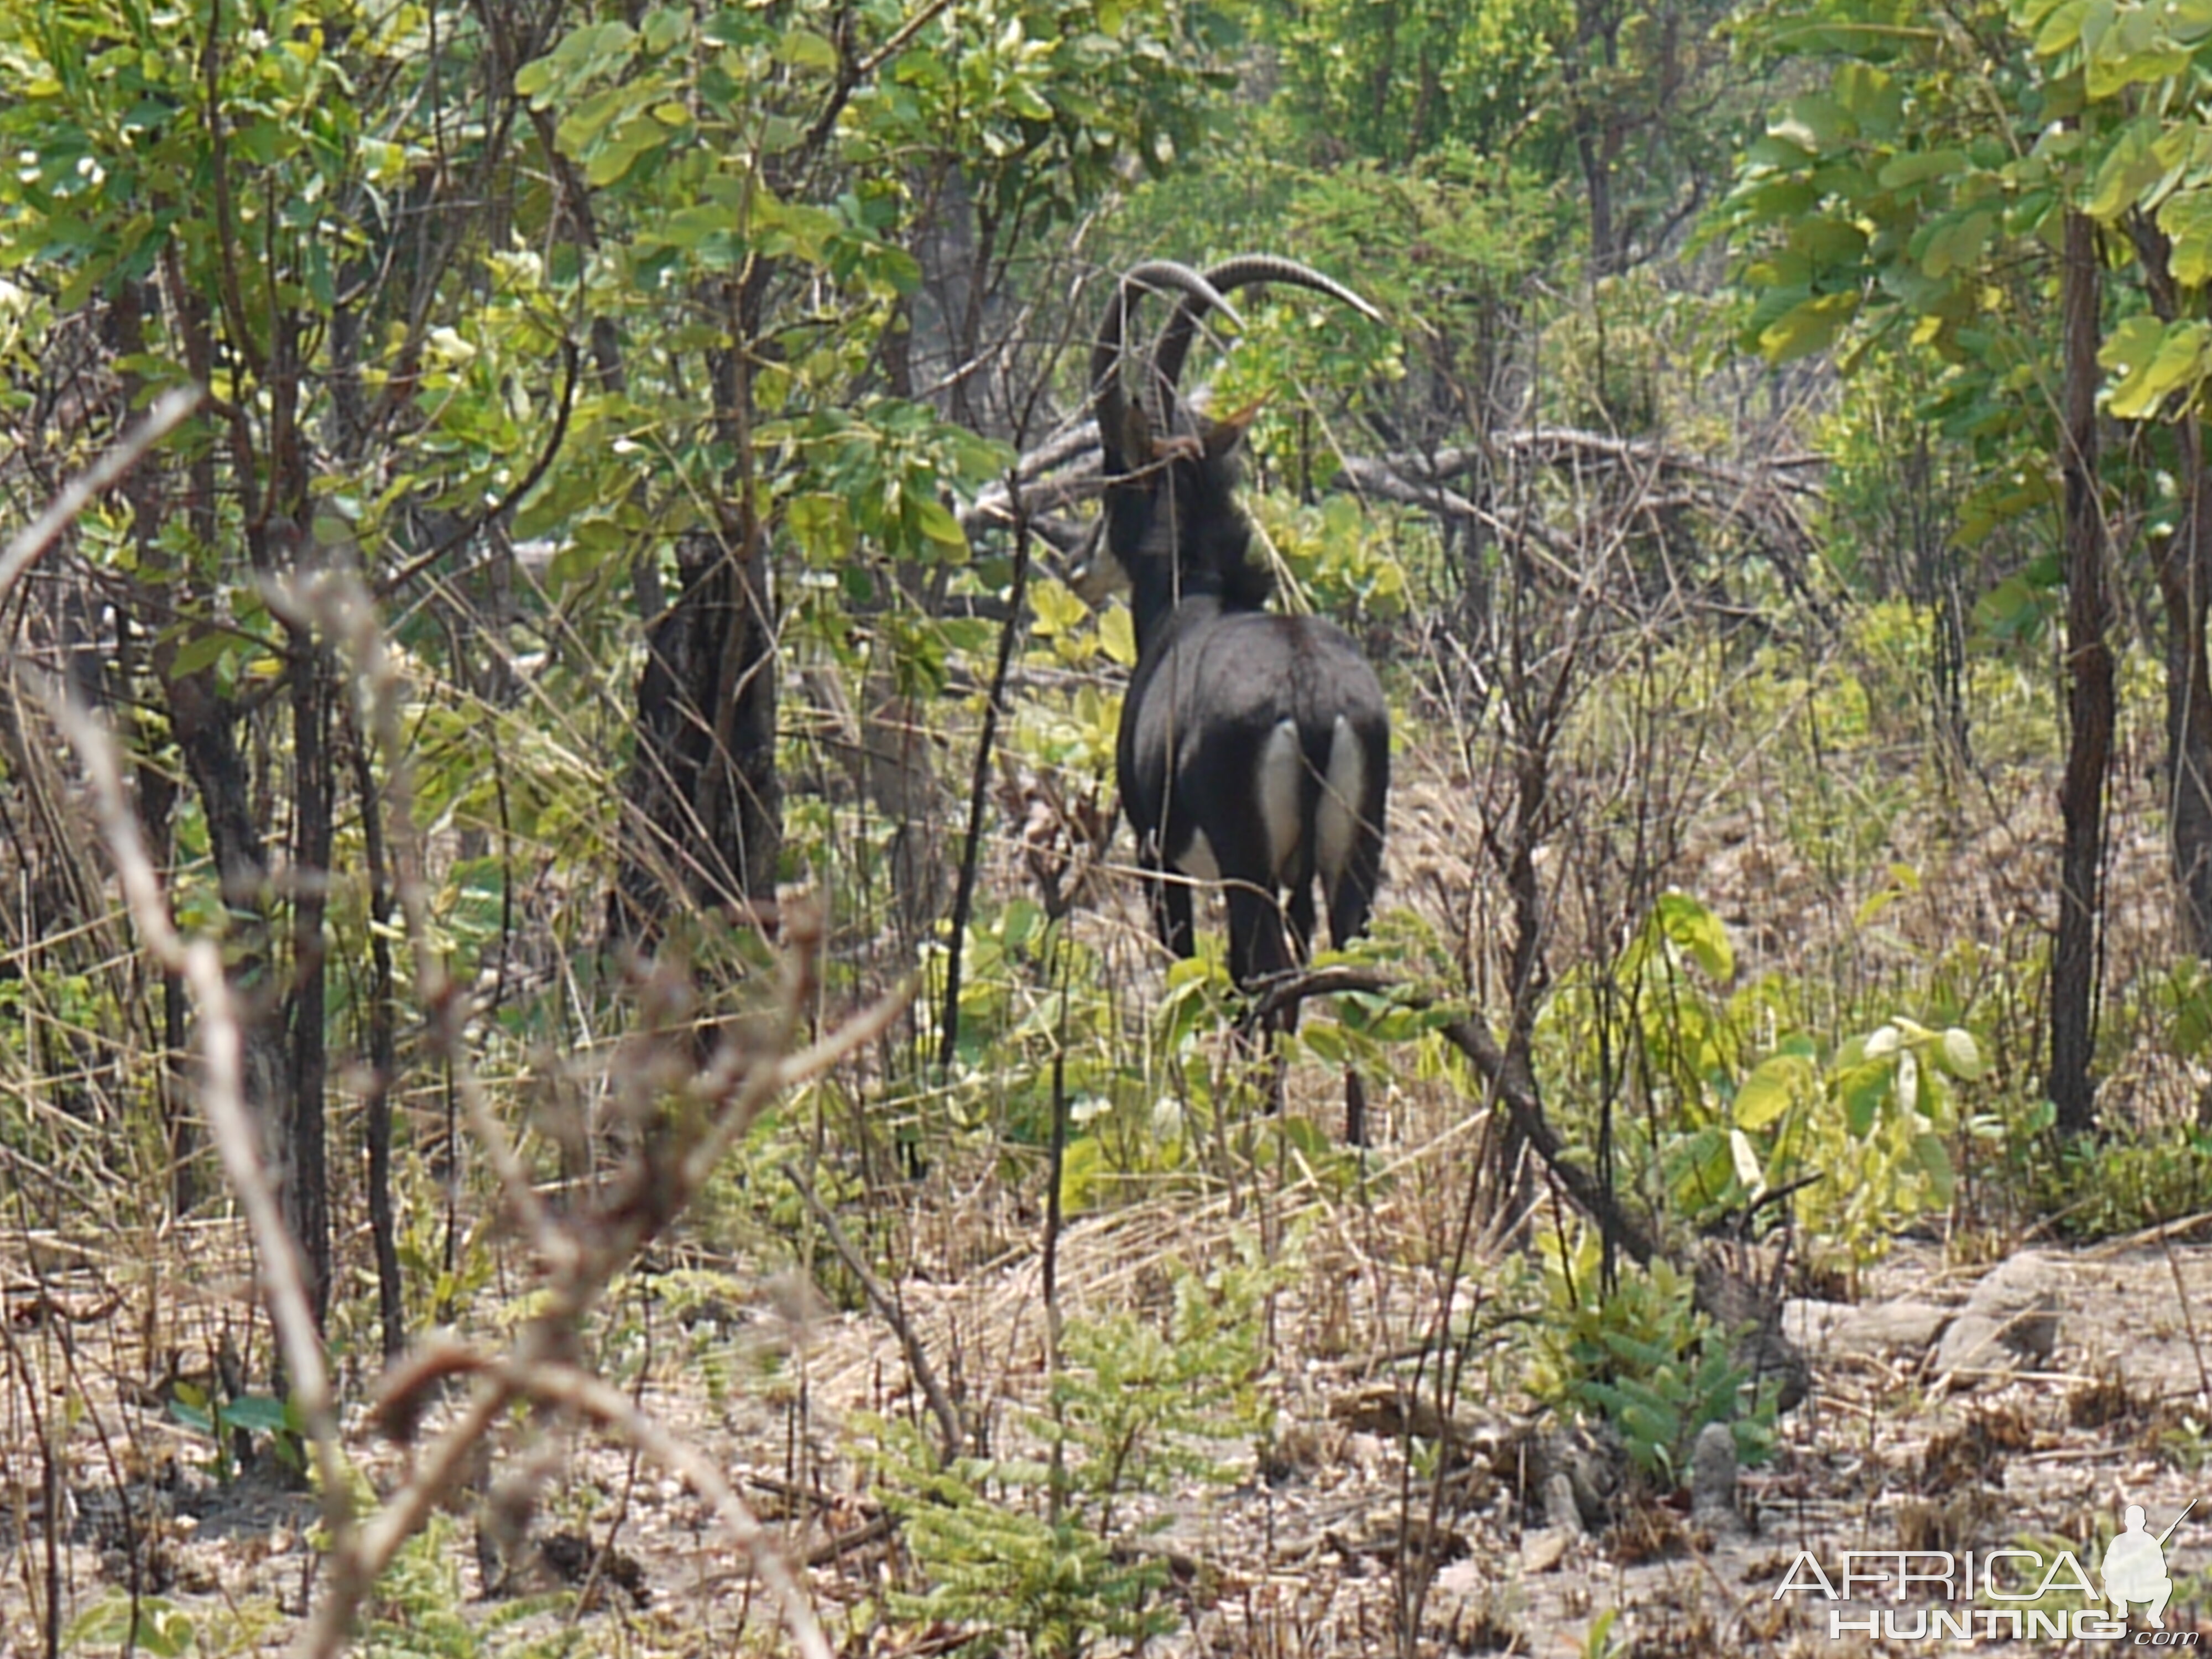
[1254,748]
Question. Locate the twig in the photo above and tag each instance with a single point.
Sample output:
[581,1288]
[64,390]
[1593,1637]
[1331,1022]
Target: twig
[963,897]
[28,543]
[2188,1319]
[614,1410]
[856,1033]
[1506,1075]
[577,1265]
[339,605]
[438,1472]
[917,1358]
[199,962]
[528,482]
[222,1096]
[843,1544]
[899,38]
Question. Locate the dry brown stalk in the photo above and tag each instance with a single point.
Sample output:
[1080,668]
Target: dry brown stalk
[578,1257]
[222,1098]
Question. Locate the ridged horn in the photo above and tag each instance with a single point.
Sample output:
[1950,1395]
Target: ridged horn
[1109,401]
[1225,278]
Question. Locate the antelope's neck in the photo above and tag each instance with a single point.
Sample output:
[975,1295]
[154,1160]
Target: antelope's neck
[1160,617]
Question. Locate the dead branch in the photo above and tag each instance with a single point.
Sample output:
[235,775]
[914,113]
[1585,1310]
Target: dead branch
[941,1404]
[341,606]
[1559,445]
[579,1255]
[1508,1077]
[29,544]
[223,1094]
[199,962]
[616,1412]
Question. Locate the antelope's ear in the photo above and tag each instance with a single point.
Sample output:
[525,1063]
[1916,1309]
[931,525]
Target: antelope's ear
[1223,435]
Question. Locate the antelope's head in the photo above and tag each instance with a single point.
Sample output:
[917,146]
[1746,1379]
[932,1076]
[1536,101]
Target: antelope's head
[1172,518]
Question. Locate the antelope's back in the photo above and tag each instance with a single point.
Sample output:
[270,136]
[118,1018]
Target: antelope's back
[1247,716]
[1246,671]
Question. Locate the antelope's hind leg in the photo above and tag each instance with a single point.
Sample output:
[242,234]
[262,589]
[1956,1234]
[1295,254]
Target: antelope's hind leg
[1168,896]
[1351,902]
[1260,954]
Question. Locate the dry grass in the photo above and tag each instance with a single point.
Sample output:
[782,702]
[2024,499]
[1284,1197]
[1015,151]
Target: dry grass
[719,1334]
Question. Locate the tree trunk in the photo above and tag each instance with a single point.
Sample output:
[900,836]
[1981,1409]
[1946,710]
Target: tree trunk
[146,489]
[2184,562]
[1596,131]
[281,542]
[382,1047]
[2089,697]
[205,726]
[285,1063]
[704,823]
[306,1190]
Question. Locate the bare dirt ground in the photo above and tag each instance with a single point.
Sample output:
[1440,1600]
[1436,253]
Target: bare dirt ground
[2090,1393]
[2085,1392]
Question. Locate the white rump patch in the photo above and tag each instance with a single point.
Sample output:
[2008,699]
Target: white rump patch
[1337,823]
[1275,787]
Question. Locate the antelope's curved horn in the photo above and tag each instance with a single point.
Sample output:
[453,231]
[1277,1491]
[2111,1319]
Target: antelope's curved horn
[1109,402]
[1225,278]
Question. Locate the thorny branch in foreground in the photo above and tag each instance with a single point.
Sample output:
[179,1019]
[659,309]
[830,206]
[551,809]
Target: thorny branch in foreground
[578,1256]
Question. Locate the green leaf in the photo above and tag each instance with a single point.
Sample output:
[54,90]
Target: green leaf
[2061,28]
[665,26]
[1935,1159]
[1828,243]
[938,523]
[1921,166]
[2011,611]
[1775,152]
[1083,1174]
[1956,245]
[260,1412]
[823,527]
[2129,348]
[1806,328]
[2186,216]
[2129,167]
[1693,928]
[805,49]
[159,1628]
[2177,363]
[613,161]
[1864,1089]
[1873,99]
[1117,632]
[2112,72]
[1815,121]
[1962,1056]
[1767,1093]
[1056,608]
[200,651]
